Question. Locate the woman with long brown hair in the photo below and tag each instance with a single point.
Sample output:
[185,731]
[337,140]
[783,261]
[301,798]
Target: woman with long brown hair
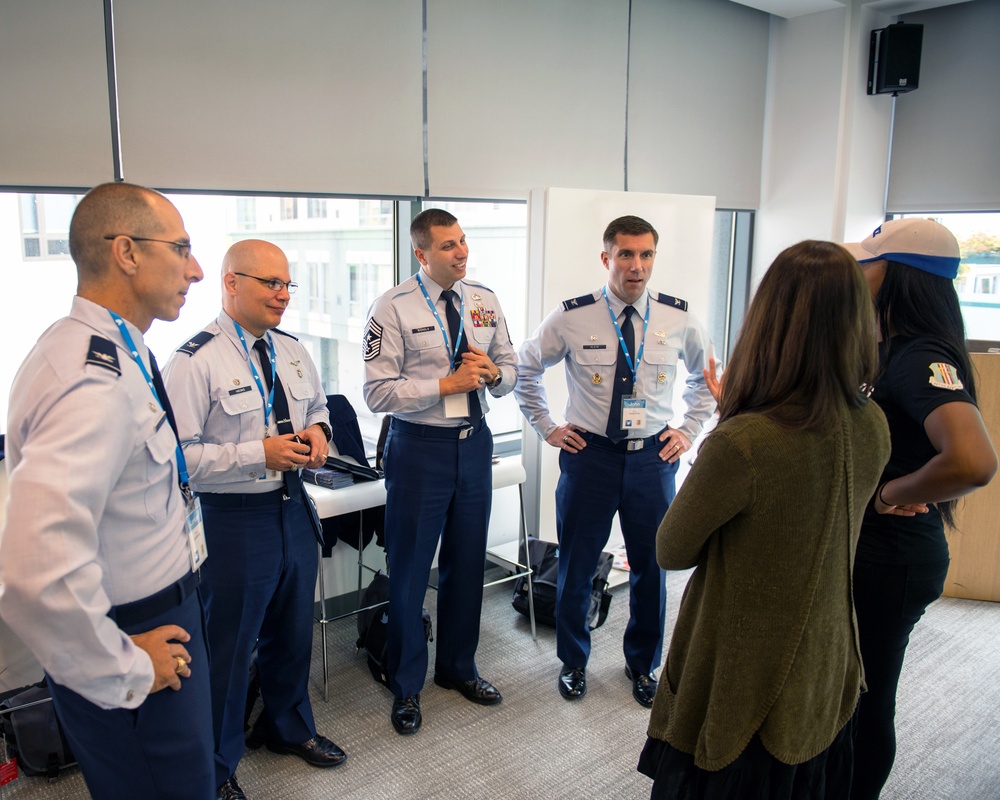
[764,669]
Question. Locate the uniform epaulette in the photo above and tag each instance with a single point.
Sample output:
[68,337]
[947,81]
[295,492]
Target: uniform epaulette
[103,353]
[278,330]
[579,302]
[676,302]
[195,343]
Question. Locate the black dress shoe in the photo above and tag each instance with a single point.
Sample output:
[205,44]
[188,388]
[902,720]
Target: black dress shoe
[230,790]
[318,751]
[477,690]
[643,687]
[573,682]
[405,715]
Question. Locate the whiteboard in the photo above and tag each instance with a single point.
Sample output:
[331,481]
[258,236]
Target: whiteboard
[565,230]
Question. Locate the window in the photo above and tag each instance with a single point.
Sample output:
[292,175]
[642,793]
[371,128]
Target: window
[316,208]
[289,208]
[45,224]
[978,281]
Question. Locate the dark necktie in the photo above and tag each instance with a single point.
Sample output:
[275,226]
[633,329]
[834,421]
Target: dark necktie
[623,380]
[161,392]
[454,326]
[292,479]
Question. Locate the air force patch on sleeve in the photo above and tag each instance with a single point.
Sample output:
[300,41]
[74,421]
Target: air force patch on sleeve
[371,342]
[945,376]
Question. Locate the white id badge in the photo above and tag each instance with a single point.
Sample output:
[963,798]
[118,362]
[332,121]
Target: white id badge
[456,405]
[633,413]
[194,526]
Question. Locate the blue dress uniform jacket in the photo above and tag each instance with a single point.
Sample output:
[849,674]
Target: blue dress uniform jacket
[438,485]
[604,479]
[95,519]
[259,587]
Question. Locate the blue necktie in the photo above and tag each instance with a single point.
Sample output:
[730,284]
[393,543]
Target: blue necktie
[623,380]
[292,479]
[454,326]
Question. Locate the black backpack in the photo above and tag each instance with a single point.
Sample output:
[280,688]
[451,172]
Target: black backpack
[32,733]
[545,575]
[373,626]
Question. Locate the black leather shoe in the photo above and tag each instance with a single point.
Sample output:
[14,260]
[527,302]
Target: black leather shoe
[318,751]
[477,690]
[405,715]
[643,687]
[573,682]
[230,790]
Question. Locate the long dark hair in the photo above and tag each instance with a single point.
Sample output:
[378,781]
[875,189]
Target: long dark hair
[912,302]
[807,343]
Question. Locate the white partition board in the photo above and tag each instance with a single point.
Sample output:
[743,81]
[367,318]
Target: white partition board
[565,232]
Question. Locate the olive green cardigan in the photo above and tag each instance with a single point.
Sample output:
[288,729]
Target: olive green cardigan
[766,639]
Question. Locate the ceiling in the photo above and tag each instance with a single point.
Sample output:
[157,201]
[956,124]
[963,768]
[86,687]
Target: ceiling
[798,8]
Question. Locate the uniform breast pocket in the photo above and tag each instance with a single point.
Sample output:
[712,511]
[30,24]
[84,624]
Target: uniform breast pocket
[421,347]
[482,337]
[659,366]
[161,482]
[244,415]
[598,366]
[301,393]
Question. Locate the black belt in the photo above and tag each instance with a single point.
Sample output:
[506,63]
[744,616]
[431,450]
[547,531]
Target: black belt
[624,446]
[237,500]
[128,614]
[437,431]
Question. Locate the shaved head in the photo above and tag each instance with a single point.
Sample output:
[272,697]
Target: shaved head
[111,208]
[245,298]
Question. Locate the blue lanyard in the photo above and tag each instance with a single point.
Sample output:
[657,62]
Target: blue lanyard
[434,311]
[182,472]
[267,397]
[621,339]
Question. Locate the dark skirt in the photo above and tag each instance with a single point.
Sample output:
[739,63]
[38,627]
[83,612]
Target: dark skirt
[754,775]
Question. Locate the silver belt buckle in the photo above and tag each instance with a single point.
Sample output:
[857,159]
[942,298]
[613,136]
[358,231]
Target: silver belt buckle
[465,433]
[634,444]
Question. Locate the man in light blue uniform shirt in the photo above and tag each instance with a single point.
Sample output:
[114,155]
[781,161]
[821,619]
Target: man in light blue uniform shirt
[98,573]
[620,346]
[432,347]
[251,412]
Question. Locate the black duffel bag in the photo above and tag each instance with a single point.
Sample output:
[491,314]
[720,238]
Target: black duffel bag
[545,575]
[32,732]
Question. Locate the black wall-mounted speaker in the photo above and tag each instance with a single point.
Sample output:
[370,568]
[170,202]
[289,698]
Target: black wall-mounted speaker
[894,59]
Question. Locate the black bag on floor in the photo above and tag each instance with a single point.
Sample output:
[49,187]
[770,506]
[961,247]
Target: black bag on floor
[373,626]
[545,575]
[32,732]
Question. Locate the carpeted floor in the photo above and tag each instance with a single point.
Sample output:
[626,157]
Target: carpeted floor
[536,745]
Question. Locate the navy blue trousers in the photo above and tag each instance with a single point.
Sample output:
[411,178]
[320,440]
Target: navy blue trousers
[889,599]
[594,485]
[259,585]
[437,489]
[163,748]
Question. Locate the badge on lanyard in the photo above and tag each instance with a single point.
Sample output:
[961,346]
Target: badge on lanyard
[633,413]
[194,526]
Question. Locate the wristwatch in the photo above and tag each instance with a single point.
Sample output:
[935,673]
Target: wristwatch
[499,379]
[326,430]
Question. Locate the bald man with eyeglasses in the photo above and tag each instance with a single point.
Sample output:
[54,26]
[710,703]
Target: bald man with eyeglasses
[251,412]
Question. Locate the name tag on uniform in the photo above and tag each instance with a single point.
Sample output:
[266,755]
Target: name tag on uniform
[194,526]
[633,413]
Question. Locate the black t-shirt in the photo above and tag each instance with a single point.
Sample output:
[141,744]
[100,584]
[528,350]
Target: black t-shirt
[921,373]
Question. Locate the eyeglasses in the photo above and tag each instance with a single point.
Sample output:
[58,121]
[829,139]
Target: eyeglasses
[183,249]
[274,284]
